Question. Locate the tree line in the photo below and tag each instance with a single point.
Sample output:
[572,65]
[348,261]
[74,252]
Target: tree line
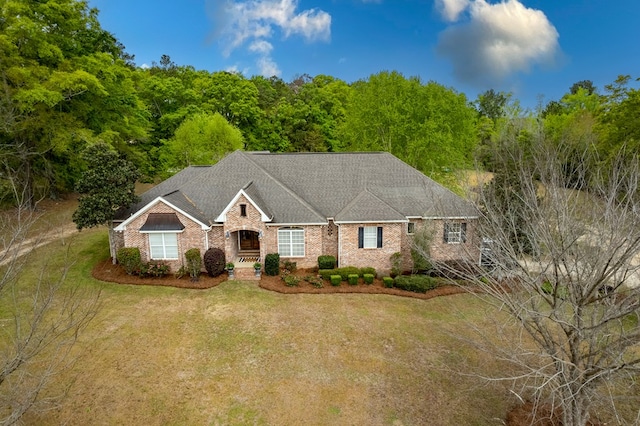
[67,83]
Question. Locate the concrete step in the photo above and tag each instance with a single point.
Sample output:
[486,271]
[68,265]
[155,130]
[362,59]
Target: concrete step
[245,274]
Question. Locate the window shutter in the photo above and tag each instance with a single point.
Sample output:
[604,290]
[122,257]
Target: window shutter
[445,236]
[379,236]
[360,237]
[463,231]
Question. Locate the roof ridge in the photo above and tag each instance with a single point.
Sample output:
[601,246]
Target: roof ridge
[355,199]
[286,188]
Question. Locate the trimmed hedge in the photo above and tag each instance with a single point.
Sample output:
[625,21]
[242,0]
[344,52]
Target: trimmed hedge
[368,278]
[335,280]
[345,272]
[415,283]
[388,282]
[326,262]
[129,258]
[272,264]
[214,261]
[353,279]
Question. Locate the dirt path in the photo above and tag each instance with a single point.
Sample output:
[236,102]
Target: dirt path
[21,248]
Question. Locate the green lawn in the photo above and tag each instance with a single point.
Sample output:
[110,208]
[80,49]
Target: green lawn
[237,354]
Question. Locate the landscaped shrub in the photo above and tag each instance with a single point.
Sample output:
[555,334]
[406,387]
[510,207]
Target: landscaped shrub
[194,263]
[155,268]
[343,272]
[214,261]
[272,264]
[396,264]
[368,278]
[335,280]
[353,279]
[326,262]
[129,258]
[291,280]
[367,270]
[387,281]
[415,283]
[289,265]
[314,281]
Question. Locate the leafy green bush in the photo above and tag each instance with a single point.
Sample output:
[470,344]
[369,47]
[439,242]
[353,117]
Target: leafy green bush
[368,278]
[194,263]
[343,272]
[155,268]
[326,262]
[290,266]
[335,280]
[314,281]
[272,264]
[387,281]
[415,283]
[396,264]
[214,261]
[353,279]
[129,258]
[367,270]
[291,280]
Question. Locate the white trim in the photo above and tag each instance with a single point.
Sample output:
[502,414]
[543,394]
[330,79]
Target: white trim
[123,225]
[222,217]
[339,246]
[279,225]
[450,217]
[163,232]
[164,246]
[347,222]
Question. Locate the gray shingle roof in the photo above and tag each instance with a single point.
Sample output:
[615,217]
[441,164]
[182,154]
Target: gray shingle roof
[311,187]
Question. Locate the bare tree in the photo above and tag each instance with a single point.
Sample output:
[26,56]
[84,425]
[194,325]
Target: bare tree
[41,317]
[565,254]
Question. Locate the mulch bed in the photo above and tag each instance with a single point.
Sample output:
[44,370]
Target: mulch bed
[107,271]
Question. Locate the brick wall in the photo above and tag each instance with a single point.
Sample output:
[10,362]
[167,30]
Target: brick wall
[236,222]
[379,258]
[192,237]
[439,249]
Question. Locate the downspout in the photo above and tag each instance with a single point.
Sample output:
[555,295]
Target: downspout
[339,245]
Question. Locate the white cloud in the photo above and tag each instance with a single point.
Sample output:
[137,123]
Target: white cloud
[497,41]
[261,46]
[451,9]
[253,22]
[268,67]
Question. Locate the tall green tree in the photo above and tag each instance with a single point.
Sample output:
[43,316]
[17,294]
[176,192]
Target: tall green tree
[106,185]
[202,139]
[429,126]
[64,81]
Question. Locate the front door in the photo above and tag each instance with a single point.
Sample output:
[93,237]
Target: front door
[249,240]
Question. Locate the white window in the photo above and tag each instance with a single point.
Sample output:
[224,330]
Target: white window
[370,237]
[455,233]
[163,245]
[291,242]
[411,228]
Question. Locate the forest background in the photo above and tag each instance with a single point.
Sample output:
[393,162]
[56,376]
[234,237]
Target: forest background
[66,83]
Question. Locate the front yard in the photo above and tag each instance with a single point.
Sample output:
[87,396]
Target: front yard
[239,354]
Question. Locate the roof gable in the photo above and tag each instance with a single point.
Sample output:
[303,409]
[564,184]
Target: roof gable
[223,216]
[123,226]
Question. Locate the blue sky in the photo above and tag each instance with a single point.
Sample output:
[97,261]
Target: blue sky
[531,48]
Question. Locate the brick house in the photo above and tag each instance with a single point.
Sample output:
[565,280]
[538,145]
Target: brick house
[359,207]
